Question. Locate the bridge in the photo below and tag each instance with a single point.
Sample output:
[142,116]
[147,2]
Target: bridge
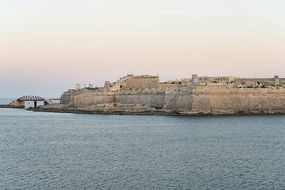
[34,99]
[31,98]
[20,102]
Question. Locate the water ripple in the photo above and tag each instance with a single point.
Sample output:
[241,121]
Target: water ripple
[67,151]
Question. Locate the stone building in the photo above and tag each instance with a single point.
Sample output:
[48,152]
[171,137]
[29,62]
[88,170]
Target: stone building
[107,86]
[168,85]
[131,82]
[195,80]
[217,80]
[261,82]
[276,80]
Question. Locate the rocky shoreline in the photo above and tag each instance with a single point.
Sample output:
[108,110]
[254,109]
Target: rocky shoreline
[128,111]
[11,106]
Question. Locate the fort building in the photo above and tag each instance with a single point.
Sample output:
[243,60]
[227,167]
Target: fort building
[205,95]
[131,82]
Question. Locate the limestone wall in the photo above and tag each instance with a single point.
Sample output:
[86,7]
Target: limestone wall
[141,83]
[86,99]
[282,81]
[166,86]
[206,99]
[66,97]
[92,98]
[154,99]
[238,100]
[178,100]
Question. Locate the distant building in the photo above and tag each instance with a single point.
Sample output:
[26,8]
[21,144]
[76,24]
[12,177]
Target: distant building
[107,86]
[276,80]
[218,80]
[131,82]
[195,80]
[77,86]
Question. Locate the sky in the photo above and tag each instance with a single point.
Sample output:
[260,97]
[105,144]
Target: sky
[46,47]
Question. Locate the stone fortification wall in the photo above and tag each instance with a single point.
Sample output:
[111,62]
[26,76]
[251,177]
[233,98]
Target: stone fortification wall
[166,86]
[238,100]
[178,100]
[267,81]
[204,99]
[154,99]
[282,81]
[138,82]
[91,98]
[66,97]
[142,83]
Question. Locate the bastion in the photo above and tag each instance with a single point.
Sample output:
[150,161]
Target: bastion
[191,96]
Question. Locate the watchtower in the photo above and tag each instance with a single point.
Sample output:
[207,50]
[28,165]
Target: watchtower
[195,80]
[276,80]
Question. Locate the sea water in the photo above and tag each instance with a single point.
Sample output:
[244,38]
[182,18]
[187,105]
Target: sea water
[77,151]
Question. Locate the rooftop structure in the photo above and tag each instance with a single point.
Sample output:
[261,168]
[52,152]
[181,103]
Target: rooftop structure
[131,82]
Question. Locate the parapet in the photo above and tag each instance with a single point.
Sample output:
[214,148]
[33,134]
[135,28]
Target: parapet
[131,82]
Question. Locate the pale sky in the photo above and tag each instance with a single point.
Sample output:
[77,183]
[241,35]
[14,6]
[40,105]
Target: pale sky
[47,46]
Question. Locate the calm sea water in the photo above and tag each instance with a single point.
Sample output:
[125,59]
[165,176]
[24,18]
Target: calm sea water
[69,151]
[4,101]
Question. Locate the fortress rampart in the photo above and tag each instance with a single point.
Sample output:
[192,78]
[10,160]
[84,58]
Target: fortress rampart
[181,97]
[243,100]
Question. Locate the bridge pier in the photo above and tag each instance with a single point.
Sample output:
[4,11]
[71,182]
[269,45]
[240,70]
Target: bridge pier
[35,104]
[18,103]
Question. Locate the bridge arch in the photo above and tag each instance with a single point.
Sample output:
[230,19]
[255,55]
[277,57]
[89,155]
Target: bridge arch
[31,98]
[20,102]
